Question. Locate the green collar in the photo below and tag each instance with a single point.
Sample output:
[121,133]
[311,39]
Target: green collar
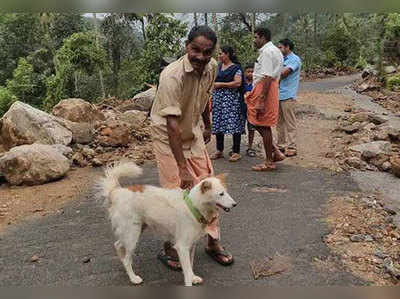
[195,212]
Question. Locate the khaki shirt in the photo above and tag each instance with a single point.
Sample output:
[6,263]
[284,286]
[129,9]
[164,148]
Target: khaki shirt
[183,93]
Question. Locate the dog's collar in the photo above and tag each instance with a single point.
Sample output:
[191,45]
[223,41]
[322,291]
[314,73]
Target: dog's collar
[195,212]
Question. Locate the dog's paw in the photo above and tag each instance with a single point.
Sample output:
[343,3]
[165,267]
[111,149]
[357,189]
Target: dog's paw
[136,279]
[197,280]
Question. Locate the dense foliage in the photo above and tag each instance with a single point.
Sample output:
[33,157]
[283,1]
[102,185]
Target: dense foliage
[46,57]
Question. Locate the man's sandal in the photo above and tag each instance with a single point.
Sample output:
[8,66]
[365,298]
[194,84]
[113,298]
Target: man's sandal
[264,167]
[165,259]
[217,254]
[235,157]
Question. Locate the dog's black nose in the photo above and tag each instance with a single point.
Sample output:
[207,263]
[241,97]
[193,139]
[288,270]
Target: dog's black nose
[235,204]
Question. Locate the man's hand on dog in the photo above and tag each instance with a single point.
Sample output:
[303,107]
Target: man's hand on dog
[187,181]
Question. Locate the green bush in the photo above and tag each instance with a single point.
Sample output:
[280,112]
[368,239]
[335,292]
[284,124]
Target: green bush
[393,82]
[6,100]
[25,84]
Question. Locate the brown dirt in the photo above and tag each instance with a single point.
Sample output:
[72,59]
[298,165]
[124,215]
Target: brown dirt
[314,134]
[20,203]
[348,216]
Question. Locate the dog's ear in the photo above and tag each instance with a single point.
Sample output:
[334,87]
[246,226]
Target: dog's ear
[222,178]
[205,186]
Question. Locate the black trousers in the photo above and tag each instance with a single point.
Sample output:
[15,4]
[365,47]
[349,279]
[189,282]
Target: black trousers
[236,142]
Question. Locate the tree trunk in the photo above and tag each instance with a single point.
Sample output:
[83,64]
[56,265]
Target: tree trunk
[196,22]
[380,42]
[143,29]
[214,21]
[76,84]
[103,93]
[206,19]
[315,27]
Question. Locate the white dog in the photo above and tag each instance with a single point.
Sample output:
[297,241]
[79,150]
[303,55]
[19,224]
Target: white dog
[180,215]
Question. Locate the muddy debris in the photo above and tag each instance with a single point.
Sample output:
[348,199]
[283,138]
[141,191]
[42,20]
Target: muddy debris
[364,236]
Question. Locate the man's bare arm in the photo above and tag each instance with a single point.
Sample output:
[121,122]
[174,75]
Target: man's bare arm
[175,140]
[175,143]
[206,117]
[207,124]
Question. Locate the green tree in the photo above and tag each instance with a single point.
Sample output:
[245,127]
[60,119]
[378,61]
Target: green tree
[26,85]
[79,56]
[6,100]
[19,35]
[120,40]
[164,38]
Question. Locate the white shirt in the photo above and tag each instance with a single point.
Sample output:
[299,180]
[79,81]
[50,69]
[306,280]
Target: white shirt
[269,63]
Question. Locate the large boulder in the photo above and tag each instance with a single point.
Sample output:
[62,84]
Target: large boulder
[33,164]
[142,101]
[82,133]
[135,118]
[23,124]
[78,110]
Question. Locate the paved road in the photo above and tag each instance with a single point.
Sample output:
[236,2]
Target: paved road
[288,221]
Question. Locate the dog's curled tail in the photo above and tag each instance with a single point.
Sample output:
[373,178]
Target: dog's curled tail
[112,175]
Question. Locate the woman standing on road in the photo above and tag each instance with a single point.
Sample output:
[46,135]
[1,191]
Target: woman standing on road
[227,98]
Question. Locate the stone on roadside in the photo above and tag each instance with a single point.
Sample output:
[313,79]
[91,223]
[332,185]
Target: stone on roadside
[114,133]
[82,133]
[79,159]
[33,164]
[378,119]
[142,101]
[357,238]
[135,118]
[34,258]
[96,162]
[359,117]
[77,110]
[370,127]
[395,161]
[351,129]
[23,124]
[88,152]
[386,166]
[354,162]
[373,148]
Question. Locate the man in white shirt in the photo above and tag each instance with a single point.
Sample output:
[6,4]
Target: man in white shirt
[263,101]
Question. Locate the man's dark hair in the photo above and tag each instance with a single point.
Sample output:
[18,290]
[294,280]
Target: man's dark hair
[202,30]
[265,32]
[287,43]
[249,66]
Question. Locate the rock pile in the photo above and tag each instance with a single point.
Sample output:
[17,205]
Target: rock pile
[41,147]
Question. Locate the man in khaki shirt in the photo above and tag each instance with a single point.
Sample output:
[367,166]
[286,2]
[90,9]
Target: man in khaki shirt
[180,105]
